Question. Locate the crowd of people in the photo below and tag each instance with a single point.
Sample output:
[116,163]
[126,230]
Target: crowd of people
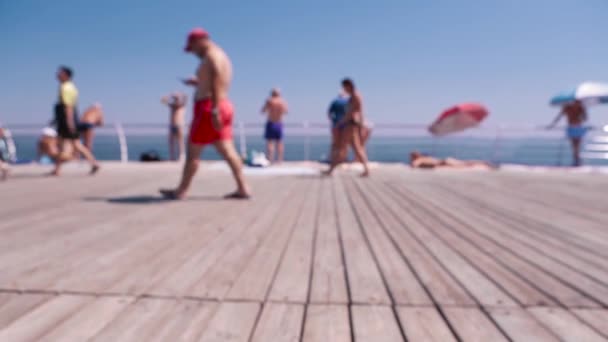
[213,115]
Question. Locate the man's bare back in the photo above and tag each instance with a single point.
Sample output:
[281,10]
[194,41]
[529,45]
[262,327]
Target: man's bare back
[177,109]
[276,108]
[355,109]
[575,113]
[93,115]
[218,63]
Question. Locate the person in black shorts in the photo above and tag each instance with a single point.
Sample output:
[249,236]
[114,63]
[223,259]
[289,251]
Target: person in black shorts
[66,120]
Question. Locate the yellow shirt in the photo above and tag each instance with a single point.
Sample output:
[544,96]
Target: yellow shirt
[68,94]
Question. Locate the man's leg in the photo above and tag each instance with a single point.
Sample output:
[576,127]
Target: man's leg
[87,155]
[360,154]
[88,139]
[334,144]
[270,150]
[193,155]
[576,151]
[180,144]
[280,151]
[339,152]
[61,156]
[171,146]
[227,150]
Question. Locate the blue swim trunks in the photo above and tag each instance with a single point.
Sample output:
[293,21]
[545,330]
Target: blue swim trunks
[576,132]
[273,131]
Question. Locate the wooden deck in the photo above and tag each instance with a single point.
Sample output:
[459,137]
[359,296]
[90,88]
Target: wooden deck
[417,256]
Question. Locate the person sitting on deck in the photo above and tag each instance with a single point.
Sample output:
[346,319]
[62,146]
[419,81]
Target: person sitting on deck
[48,146]
[420,161]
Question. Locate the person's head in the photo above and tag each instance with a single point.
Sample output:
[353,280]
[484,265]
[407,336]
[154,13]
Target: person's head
[275,92]
[64,73]
[414,155]
[198,42]
[348,85]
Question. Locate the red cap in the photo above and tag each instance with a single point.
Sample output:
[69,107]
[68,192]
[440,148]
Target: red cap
[196,33]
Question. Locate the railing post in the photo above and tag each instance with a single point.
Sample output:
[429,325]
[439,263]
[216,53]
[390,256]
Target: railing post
[242,140]
[305,125]
[122,141]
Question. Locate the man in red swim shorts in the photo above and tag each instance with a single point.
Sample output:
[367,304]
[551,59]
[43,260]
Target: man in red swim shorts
[213,114]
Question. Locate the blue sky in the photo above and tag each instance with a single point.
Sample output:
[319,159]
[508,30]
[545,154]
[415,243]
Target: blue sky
[410,59]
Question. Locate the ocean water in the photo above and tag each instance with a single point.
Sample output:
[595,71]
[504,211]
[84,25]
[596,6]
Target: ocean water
[526,150]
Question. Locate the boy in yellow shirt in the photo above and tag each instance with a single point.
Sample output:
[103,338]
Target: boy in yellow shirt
[66,119]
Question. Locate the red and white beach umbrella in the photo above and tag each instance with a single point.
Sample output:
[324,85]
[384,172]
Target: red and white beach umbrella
[458,118]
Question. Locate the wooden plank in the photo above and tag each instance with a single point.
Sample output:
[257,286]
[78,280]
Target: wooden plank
[186,275]
[280,322]
[591,286]
[327,323]
[217,281]
[13,306]
[587,230]
[565,255]
[375,323]
[596,318]
[481,233]
[403,284]
[185,322]
[449,231]
[565,325]
[424,324]
[88,321]
[520,326]
[328,280]
[441,284]
[292,280]
[366,285]
[255,280]
[232,322]
[472,325]
[139,322]
[36,323]
[477,283]
[96,271]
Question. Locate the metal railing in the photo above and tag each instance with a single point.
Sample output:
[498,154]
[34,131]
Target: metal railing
[390,142]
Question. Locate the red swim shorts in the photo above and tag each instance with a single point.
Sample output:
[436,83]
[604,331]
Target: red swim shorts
[202,131]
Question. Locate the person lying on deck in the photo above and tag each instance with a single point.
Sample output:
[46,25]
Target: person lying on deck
[420,161]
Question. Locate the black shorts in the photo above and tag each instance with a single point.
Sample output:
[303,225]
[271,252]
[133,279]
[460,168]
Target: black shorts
[63,130]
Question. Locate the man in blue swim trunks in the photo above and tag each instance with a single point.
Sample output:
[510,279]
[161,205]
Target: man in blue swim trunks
[275,108]
[336,112]
[576,115]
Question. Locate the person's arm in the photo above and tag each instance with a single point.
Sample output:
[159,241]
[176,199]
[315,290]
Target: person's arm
[69,115]
[192,81]
[264,108]
[215,93]
[556,120]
